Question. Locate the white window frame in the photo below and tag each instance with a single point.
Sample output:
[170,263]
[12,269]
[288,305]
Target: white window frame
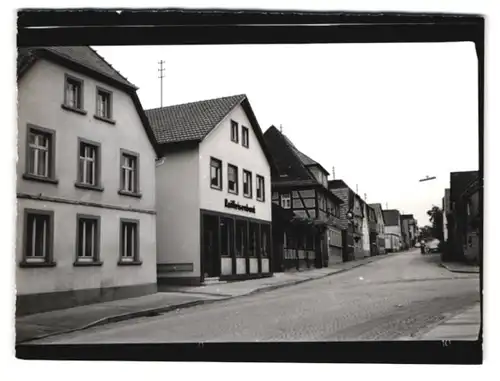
[38,150]
[235,168]
[73,93]
[89,157]
[89,222]
[218,170]
[260,182]
[235,131]
[129,176]
[39,216]
[286,201]
[245,136]
[247,180]
[126,224]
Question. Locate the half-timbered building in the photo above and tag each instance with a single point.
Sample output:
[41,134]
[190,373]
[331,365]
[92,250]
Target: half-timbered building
[351,219]
[314,236]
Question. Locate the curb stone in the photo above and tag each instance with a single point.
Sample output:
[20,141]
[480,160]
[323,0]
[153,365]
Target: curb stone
[458,271]
[161,310]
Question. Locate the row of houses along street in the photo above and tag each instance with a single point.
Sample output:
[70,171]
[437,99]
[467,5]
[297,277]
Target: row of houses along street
[115,200]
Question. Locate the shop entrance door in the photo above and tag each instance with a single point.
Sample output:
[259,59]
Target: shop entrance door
[210,246]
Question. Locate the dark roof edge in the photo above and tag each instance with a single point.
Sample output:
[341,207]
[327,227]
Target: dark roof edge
[84,70]
[70,64]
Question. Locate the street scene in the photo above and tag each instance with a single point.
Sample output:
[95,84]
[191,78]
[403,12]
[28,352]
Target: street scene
[244,208]
[405,296]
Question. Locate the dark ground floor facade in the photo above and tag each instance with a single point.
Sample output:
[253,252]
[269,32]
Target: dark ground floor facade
[234,247]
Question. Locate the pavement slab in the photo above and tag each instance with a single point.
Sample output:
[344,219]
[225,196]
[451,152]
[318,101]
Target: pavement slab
[462,326]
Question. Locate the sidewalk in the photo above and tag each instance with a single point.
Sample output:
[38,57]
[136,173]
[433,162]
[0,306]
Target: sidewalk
[464,326]
[52,323]
[458,267]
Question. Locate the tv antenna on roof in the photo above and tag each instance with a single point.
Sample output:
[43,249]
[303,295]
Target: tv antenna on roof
[427,178]
[161,70]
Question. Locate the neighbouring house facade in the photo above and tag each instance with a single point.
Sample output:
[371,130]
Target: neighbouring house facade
[392,226]
[380,227]
[86,223]
[313,237]
[351,219]
[446,211]
[373,230]
[456,219]
[408,230]
[472,232]
[366,242]
[213,186]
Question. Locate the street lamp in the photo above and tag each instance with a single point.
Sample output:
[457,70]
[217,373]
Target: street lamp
[427,178]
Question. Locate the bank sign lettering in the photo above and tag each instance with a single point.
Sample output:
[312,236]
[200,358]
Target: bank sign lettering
[234,205]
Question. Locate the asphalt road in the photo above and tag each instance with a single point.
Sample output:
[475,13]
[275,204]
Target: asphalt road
[398,297]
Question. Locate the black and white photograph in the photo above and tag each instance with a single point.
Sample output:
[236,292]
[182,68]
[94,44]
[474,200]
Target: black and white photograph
[246,193]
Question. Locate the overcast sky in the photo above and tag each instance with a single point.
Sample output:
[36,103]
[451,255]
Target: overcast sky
[384,115]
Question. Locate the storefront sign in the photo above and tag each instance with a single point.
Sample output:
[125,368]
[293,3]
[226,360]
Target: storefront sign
[234,205]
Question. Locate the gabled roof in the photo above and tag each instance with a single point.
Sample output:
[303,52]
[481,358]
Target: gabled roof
[306,160]
[337,184]
[81,55]
[85,60]
[391,217]
[291,164]
[377,207]
[190,121]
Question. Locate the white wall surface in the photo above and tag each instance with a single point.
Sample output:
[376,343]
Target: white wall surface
[40,95]
[178,214]
[64,276]
[219,145]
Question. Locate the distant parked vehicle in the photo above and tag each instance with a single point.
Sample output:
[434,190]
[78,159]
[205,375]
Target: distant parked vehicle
[430,245]
[418,244]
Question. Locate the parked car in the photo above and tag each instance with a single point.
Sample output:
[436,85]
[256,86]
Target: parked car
[418,244]
[430,245]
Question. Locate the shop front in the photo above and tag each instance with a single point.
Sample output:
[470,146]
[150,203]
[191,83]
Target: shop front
[234,247]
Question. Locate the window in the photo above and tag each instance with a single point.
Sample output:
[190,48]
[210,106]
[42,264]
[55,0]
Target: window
[88,239]
[241,238]
[244,136]
[265,240]
[40,161]
[38,237]
[286,201]
[253,243]
[216,173]
[232,179]
[88,165]
[129,173]
[247,184]
[227,236]
[234,131]
[73,94]
[260,188]
[129,241]
[103,106]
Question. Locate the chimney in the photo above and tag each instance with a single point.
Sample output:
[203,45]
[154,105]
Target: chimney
[365,196]
[333,173]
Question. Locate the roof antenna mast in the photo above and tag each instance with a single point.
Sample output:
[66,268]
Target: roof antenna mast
[161,70]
